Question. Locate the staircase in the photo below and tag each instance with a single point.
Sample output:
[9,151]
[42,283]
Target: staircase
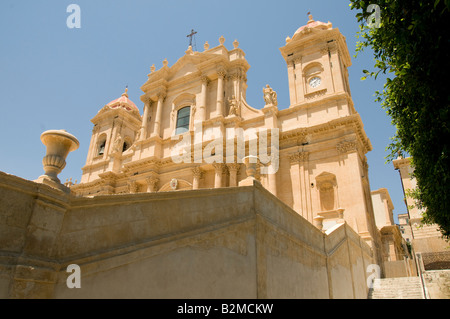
[397,288]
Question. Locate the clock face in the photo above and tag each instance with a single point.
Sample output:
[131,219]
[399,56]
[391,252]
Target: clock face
[314,82]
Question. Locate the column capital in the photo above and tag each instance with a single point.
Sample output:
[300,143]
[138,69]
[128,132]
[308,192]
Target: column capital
[234,167]
[298,157]
[198,172]
[222,74]
[218,166]
[152,183]
[204,79]
[132,186]
[346,147]
[161,95]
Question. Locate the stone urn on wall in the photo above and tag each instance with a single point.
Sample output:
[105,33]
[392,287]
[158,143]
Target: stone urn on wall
[251,165]
[59,144]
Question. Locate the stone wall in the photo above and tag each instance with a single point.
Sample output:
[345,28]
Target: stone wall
[400,268]
[437,283]
[238,242]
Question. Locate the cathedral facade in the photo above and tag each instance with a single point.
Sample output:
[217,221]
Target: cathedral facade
[203,195]
[315,159]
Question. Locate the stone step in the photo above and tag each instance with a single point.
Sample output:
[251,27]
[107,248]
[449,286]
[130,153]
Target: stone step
[396,288]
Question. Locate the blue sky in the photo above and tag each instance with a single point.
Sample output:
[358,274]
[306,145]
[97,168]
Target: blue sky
[53,77]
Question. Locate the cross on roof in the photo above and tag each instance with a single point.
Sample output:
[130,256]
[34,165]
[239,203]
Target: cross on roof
[190,36]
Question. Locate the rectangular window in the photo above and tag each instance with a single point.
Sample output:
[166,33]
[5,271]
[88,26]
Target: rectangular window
[183,120]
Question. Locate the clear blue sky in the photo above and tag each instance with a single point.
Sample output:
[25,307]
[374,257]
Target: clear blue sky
[53,77]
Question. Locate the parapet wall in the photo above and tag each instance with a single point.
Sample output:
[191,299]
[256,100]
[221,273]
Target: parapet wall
[237,242]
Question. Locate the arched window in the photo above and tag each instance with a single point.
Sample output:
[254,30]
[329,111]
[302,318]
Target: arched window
[183,116]
[101,145]
[126,144]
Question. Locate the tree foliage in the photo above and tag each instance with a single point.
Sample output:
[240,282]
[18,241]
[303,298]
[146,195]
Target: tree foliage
[411,46]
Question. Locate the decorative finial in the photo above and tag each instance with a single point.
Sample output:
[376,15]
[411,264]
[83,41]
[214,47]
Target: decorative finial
[221,40]
[126,92]
[288,39]
[165,62]
[189,50]
[206,45]
[235,44]
[310,17]
[152,68]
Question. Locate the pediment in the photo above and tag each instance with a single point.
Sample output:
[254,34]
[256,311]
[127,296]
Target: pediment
[183,70]
[190,63]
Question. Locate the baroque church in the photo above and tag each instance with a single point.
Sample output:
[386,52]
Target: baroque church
[176,202]
[322,168]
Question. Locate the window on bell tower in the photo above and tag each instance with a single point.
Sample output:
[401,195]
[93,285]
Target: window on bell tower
[183,116]
[101,147]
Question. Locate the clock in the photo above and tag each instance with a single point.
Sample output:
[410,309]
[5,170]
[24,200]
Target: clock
[314,82]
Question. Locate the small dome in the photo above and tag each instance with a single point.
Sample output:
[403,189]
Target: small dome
[313,24]
[124,102]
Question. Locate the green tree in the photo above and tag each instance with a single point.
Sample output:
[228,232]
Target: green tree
[411,45]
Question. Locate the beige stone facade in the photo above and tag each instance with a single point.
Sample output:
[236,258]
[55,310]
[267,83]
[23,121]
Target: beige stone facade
[405,227]
[317,159]
[205,196]
[397,259]
[426,239]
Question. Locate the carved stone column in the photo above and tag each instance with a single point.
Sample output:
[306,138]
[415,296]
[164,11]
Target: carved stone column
[218,173]
[220,84]
[198,174]
[202,106]
[144,127]
[157,126]
[234,171]
[235,78]
[152,184]
[132,187]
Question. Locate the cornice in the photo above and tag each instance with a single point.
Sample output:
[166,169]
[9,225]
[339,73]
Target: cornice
[107,113]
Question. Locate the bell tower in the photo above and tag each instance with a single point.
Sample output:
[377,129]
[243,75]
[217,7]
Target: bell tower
[317,60]
[116,128]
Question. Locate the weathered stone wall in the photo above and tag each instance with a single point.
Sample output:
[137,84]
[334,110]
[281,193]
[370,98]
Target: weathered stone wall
[437,283]
[239,242]
[400,268]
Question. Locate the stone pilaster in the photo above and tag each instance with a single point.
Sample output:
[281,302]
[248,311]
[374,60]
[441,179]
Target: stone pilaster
[152,184]
[234,172]
[218,173]
[301,190]
[220,84]
[198,175]
[158,117]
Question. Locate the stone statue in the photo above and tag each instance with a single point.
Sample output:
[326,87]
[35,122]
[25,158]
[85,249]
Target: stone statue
[117,144]
[233,106]
[270,96]
[138,136]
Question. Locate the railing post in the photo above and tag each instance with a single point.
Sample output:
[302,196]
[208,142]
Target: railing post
[421,270]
